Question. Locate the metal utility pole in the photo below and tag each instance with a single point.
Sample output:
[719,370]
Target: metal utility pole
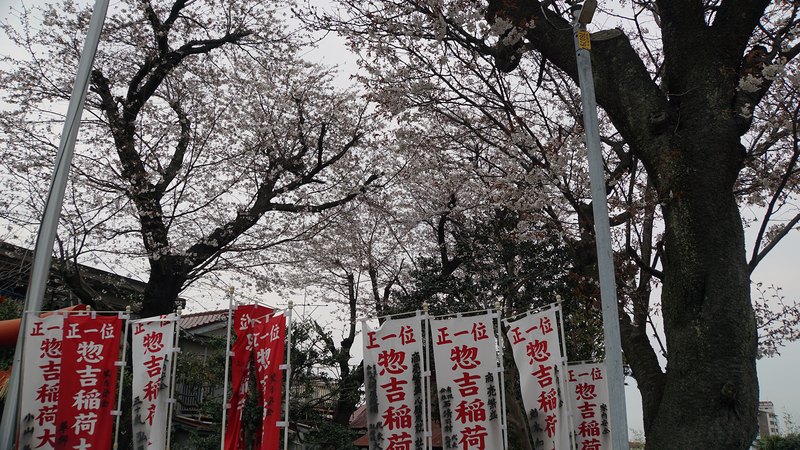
[605,262]
[43,253]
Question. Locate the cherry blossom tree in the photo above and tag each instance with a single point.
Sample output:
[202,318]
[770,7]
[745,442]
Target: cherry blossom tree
[698,122]
[206,140]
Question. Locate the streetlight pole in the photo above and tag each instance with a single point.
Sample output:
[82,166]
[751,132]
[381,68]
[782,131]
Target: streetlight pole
[605,262]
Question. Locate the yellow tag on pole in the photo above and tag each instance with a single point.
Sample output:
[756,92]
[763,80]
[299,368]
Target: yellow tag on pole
[583,40]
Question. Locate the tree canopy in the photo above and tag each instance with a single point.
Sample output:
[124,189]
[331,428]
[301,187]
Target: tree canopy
[210,143]
[206,142]
[699,108]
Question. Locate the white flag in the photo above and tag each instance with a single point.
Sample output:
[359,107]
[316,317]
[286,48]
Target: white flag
[589,390]
[393,379]
[467,377]
[152,356]
[41,373]
[534,342]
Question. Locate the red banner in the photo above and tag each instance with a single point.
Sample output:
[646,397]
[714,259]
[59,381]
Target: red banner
[88,383]
[240,364]
[269,346]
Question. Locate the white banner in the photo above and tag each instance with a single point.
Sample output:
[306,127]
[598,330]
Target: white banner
[41,373]
[537,353]
[152,356]
[589,390]
[394,389]
[468,380]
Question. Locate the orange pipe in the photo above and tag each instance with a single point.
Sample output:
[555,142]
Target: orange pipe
[9,329]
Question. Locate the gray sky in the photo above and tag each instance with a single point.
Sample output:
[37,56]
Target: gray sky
[777,375]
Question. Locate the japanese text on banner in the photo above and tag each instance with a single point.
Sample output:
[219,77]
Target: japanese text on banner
[240,371]
[269,337]
[467,376]
[589,390]
[394,386]
[537,353]
[152,342]
[41,364]
[87,392]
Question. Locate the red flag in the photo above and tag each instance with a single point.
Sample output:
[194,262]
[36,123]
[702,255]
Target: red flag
[240,363]
[269,347]
[88,384]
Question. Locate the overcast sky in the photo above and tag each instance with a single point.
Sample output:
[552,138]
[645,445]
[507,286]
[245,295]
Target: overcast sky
[777,376]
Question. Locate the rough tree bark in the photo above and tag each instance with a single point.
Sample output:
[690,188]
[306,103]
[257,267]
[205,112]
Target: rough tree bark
[688,137]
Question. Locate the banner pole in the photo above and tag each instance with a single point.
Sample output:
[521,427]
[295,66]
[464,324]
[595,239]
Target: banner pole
[563,380]
[564,377]
[175,350]
[227,367]
[503,416]
[288,375]
[122,374]
[427,377]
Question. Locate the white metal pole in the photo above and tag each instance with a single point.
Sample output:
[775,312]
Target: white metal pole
[605,261]
[288,374]
[174,350]
[426,378]
[502,393]
[225,404]
[42,256]
[564,379]
[123,362]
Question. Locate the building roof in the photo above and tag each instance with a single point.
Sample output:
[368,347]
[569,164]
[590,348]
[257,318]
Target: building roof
[198,323]
[115,291]
[193,321]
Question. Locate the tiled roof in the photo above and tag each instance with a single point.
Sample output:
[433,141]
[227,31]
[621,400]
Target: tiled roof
[359,418]
[197,320]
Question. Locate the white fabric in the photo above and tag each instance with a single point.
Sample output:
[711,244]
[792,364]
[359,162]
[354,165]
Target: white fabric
[588,387]
[394,385]
[152,341]
[41,371]
[537,353]
[468,382]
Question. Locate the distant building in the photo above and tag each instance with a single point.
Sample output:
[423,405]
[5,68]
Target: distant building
[767,420]
[67,283]
[196,330]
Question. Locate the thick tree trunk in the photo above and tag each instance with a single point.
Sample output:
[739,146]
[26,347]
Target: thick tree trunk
[711,388]
[686,130]
[167,277]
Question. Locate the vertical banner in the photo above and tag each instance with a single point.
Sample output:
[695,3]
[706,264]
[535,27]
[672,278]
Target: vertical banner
[589,390]
[393,379]
[152,358]
[88,382]
[537,353]
[270,336]
[242,352]
[41,373]
[467,375]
